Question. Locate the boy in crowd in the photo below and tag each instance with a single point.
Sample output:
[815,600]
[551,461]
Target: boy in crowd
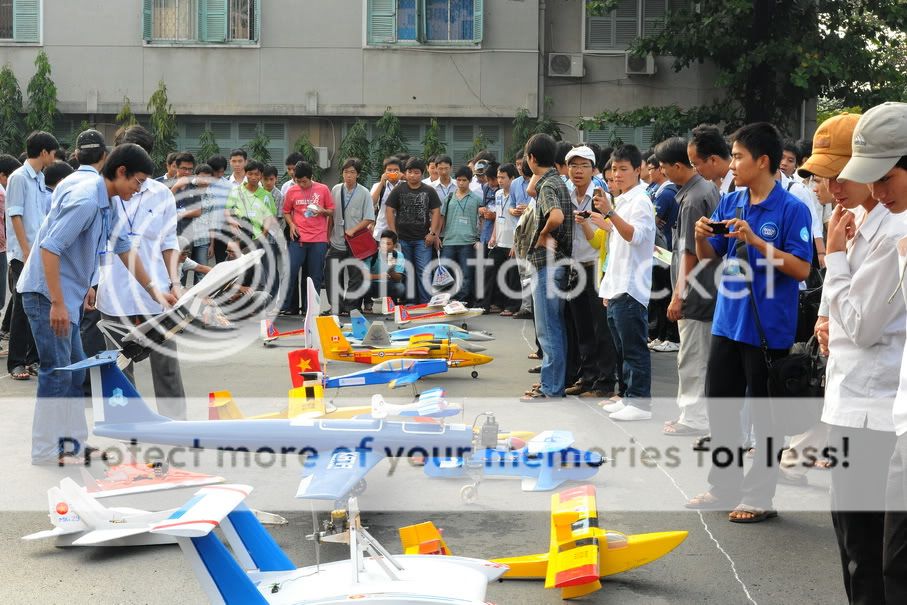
[8,165]
[388,269]
[238,160]
[382,190]
[460,232]
[251,215]
[711,157]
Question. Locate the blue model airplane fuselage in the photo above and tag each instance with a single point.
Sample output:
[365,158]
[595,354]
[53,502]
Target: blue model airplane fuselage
[360,325]
[395,372]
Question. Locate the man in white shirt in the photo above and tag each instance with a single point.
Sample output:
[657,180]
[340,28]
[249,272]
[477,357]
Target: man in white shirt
[879,158]
[627,284]
[802,193]
[149,219]
[591,358]
[381,191]
[711,157]
[238,159]
[445,185]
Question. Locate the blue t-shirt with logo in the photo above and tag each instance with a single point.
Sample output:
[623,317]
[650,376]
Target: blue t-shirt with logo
[784,222]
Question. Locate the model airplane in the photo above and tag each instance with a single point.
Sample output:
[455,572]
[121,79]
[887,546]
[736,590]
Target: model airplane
[255,571]
[270,333]
[438,309]
[359,327]
[579,554]
[335,346]
[80,520]
[136,478]
[338,453]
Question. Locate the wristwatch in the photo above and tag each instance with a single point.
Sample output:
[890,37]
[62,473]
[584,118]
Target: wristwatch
[609,213]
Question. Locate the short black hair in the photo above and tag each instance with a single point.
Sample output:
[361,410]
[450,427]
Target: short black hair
[761,139]
[791,146]
[542,147]
[135,134]
[628,153]
[464,171]
[217,163]
[253,165]
[354,163]
[204,169]
[239,151]
[491,171]
[293,158]
[597,150]
[415,163]
[171,158]
[91,156]
[443,159]
[560,155]
[708,141]
[8,164]
[22,157]
[673,151]
[184,157]
[652,160]
[269,171]
[132,157]
[806,149]
[392,235]
[60,154]
[303,170]
[404,157]
[39,141]
[509,169]
[486,155]
[56,172]
[431,160]
[74,161]
[392,160]
[525,170]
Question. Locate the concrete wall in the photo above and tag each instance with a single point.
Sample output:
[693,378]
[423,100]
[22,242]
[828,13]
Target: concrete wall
[307,46]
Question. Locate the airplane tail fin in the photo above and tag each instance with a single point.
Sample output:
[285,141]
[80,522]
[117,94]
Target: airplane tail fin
[312,311]
[221,406]
[268,330]
[63,514]
[331,338]
[423,539]
[467,346]
[387,305]
[401,315]
[377,336]
[360,324]
[114,399]
[223,577]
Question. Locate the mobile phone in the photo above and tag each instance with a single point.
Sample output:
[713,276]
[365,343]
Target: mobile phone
[719,228]
[584,214]
[599,192]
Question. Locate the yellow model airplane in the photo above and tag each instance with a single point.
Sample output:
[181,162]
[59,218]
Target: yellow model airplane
[580,553]
[336,347]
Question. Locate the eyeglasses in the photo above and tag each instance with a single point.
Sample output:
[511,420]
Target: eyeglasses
[140,183]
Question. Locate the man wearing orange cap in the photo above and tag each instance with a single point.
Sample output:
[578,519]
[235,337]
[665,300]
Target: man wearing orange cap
[864,337]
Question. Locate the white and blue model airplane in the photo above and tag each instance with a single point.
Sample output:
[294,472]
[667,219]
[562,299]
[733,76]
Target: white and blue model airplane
[359,328]
[395,373]
[339,453]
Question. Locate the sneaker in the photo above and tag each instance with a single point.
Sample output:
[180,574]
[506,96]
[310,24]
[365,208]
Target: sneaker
[666,347]
[535,370]
[631,413]
[522,314]
[615,405]
[654,343]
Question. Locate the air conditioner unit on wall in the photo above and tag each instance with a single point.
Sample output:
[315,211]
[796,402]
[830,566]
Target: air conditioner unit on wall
[324,160]
[640,66]
[562,65]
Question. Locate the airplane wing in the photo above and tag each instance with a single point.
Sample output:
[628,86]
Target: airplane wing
[332,477]
[377,337]
[203,512]
[417,351]
[405,379]
[573,562]
[550,441]
[99,536]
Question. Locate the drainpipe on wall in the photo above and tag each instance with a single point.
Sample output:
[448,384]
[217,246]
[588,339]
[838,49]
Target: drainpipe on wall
[541,86]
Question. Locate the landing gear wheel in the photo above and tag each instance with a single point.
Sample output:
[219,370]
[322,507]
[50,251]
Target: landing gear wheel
[469,493]
[474,374]
[464,325]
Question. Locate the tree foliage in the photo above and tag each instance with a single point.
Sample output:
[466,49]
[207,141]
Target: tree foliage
[479,144]
[304,146]
[524,127]
[11,122]
[258,146]
[356,145]
[388,138]
[126,118]
[42,97]
[163,124]
[432,144]
[207,146]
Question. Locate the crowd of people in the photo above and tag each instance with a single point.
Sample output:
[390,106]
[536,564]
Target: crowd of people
[705,246]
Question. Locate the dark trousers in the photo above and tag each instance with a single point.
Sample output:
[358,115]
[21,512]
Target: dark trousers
[658,306]
[307,258]
[507,282]
[627,320]
[460,255]
[857,509]
[591,355]
[737,371]
[894,550]
[22,350]
[220,246]
[342,280]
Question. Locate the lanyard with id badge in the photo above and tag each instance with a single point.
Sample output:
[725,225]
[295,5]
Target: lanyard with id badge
[134,237]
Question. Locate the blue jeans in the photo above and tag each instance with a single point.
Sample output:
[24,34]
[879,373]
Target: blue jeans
[416,252]
[308,256]
[629,323]
[459,255]
[548,301]
[59,421]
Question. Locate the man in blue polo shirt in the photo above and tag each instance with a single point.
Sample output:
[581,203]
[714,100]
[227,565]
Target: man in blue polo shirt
[765,239]
[56,282]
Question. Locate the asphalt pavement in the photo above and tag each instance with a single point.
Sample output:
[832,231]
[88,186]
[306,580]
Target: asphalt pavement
[792,559]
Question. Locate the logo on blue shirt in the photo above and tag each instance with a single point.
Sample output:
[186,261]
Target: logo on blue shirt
[769,231]
[804,234]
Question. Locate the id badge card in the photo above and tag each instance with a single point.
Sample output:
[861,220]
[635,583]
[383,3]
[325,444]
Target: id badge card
[732,267]
[135,239]
[462,220]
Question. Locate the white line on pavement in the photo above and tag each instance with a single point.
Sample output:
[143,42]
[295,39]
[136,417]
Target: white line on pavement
[686,497]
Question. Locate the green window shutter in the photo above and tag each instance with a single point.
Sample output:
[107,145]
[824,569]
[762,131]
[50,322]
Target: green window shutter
[478,20]
[26,20]
[256,33]
[212,20]
[146,20]
[382,21]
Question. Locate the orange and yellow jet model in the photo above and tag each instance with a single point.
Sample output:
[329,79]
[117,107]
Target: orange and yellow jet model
[580,553]
[336,347]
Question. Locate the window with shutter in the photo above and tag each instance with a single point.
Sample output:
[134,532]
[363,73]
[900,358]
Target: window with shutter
[26,21]
[6,19]
[619,28]
[194,130]
[174,20]
[247,131]
[213,20]
[435,22]
[223,131]
[654,16]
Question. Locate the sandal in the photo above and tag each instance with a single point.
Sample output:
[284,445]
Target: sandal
[20,373]
[534,356]
[534,396]
[678,429]
[506,313]
[757,515]
[706,501]
[33,368]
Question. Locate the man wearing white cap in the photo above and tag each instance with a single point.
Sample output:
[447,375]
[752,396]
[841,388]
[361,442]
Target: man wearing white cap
[880,160]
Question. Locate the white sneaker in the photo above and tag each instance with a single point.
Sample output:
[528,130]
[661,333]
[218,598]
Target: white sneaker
[667,347]
[654,343]
[615,406]
[631,413]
